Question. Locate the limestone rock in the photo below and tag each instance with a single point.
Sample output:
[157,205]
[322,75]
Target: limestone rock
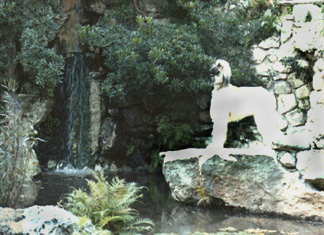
[293,81]
[254,182]
[50,220]
[264,68]
[296,117]
[42,220]
[108,134]
[182,175]
[301,13]
[10,221]
[288,160]
[259,184]
[272,42]
[33,167]
[286,103]
[303,92]
[280,76]
[317,98]
[306,35]
[282,87]
[297,138]
[279,67]
[318,81]
[311,165]
[319,65]
[304,104]
[286,30]
[95,114]
[286,49]
[258,55]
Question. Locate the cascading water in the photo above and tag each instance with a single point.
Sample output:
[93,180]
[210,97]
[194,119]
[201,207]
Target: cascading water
[76,140]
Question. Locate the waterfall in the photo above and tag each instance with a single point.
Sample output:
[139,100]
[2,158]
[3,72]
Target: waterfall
[76,139]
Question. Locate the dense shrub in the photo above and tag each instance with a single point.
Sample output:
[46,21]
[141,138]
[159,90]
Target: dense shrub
[156,64]
[27,27]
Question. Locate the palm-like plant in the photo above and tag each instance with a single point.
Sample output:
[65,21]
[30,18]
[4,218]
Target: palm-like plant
[108,205]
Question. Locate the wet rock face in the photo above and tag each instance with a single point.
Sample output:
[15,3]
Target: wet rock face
[257,182]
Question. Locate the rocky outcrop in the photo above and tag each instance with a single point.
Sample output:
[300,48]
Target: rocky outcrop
[42,220]
[249,179]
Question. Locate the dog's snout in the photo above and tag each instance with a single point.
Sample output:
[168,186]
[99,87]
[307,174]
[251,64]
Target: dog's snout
[214,71]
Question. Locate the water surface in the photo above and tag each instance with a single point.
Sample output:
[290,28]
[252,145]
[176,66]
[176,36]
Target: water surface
[172,217]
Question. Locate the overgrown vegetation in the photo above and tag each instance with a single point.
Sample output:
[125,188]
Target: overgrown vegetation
[156,64]
[27,28]
[16,142]
[108,205]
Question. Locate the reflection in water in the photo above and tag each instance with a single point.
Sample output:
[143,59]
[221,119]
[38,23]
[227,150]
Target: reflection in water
[171,217]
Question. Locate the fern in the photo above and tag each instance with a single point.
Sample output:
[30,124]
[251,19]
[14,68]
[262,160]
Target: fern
[107,205]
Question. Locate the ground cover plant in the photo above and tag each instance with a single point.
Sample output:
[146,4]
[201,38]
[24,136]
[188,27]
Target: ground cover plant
[108,205]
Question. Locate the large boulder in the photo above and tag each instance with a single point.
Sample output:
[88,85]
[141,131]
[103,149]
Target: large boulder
[42,220]
[242,178]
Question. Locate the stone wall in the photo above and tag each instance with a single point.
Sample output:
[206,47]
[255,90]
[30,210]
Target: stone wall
[299,94]
[289,180]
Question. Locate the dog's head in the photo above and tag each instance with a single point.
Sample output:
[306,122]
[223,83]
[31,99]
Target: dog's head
[220,73]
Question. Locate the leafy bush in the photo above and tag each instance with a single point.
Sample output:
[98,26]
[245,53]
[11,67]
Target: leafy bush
[150,62]
[156,64]
[27,28]
[108,205]
[16,142]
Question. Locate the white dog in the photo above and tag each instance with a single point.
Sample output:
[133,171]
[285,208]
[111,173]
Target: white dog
[231,104]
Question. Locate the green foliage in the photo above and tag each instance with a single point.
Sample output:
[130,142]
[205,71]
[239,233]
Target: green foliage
[202,194]
[174,135]
[150,62]
[27,27]
[16,142]
[108,205]
[157,63]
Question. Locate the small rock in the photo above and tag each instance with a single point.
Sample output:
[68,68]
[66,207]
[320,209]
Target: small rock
[288,160]
[258,55]
[286,103]
[282,87]
[318,81]
[286,30]
[296,117]
[280,76]
[272,42]
[319,65]
[303,92]
[304,104]
[297,139]
[293,81]
[311,165]
[279,67]
[264,68]
[286,49]
[316,98]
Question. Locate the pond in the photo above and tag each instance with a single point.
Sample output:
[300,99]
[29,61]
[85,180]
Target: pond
[172,217]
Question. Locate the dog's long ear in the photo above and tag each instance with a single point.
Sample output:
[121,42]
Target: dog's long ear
[226,73]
